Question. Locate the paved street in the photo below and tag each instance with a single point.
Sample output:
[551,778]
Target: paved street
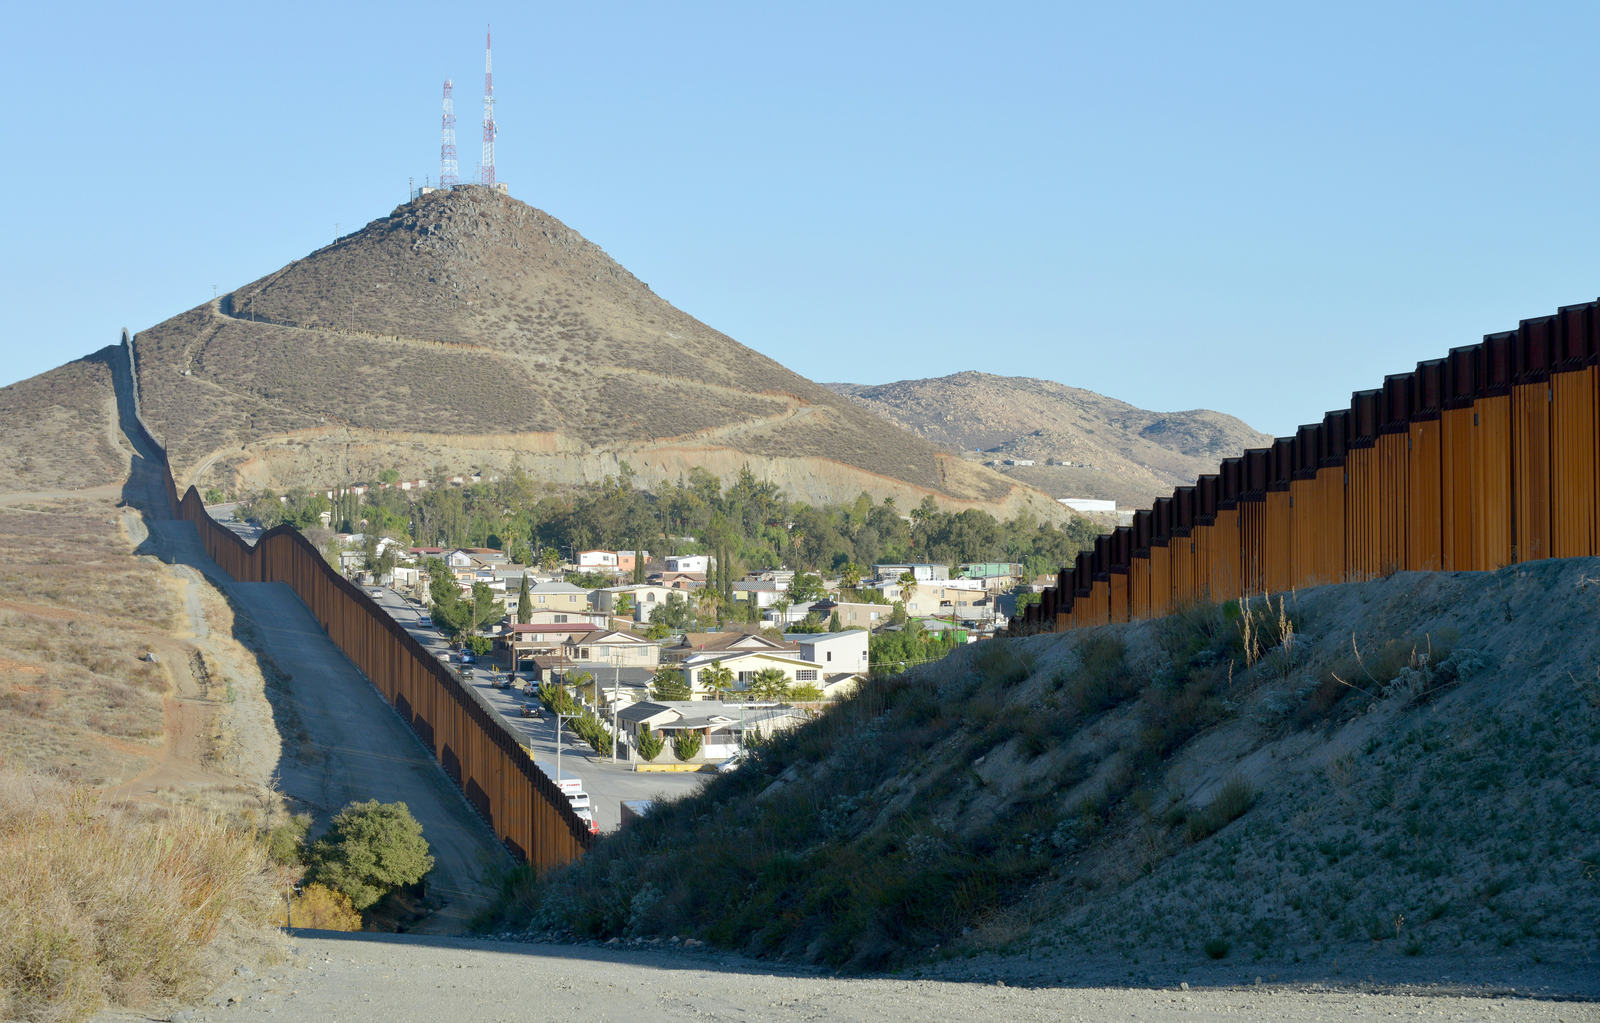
[607,784]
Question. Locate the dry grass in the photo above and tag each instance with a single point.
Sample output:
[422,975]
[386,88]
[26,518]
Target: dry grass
[102,905]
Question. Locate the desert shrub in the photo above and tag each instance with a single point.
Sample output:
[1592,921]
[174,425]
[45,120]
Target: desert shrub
[1231,803]
[1004,662]
[686,745]
[1192,626]
[1415,669]
[480,646]
[321,908]
[1218,948]
[286,843]
[1102,679]
[104,905]
[651,744]
[371,849]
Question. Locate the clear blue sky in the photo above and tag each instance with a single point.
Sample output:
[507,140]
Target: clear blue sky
[1252,208]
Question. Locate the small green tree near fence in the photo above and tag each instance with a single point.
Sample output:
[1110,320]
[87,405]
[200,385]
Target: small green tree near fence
[686,745]
[371,849]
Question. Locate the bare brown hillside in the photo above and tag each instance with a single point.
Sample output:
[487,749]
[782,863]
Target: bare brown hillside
[469,329]
[58,430]
[1117,451]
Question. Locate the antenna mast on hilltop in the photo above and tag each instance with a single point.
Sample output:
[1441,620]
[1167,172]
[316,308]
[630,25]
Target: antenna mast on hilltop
[447,145]
[489,129]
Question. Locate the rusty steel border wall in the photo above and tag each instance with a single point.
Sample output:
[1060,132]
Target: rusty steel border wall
[1485,458]
[523,807]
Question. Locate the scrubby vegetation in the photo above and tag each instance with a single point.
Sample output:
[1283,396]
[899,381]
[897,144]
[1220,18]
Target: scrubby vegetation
[104,905]
[1176,787]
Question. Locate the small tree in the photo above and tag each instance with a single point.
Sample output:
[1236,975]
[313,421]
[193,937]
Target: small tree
[549,559]
[769,684]
[834,625]
[371,849]
[686,744]
[650,744]
[898,615]
[668,684]
[805,692]
[625,605]
[524,602]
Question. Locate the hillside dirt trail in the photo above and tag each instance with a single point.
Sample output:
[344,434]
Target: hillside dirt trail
[418,979]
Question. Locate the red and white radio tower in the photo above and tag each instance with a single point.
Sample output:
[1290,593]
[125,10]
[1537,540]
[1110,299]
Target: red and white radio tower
[489,129]
[448,176]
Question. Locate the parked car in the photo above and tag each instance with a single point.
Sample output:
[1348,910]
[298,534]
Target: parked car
[426,621]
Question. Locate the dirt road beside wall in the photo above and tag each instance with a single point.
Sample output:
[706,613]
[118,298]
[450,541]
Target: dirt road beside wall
[413,979]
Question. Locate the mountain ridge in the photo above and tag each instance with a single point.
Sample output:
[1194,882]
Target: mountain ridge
[468,329]
[1118,451]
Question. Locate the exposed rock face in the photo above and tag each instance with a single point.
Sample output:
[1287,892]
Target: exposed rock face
[1118,451]
[471,330]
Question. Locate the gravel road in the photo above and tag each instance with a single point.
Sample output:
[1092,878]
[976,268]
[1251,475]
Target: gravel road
[418,979]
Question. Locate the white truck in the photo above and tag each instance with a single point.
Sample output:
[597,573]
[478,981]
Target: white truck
[568,783]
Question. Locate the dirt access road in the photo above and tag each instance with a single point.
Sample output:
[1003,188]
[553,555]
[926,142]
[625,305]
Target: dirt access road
[417,979]
[340,741]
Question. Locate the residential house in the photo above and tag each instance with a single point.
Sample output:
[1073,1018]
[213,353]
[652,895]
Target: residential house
[644,596]
[854,615]
[627,561]
[744,665]
[678,580]
[551,641]
[835,651]
[944,597]
[722,726]
[620,649]
[765,594]
[712,642]
[922,572]
[550,616]
[559,596]
[784,576]
[996,576]
[699,563]
[597,561]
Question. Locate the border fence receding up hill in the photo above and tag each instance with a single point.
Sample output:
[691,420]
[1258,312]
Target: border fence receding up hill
[477,750]
[1482,459]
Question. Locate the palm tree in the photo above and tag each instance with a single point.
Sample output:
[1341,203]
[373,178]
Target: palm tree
[908,586]
[718,679]
[769,684]
[850,575]
[706,600]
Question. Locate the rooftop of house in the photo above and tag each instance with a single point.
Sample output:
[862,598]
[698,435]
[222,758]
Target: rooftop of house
[568,627]
[729,641]
[811,638]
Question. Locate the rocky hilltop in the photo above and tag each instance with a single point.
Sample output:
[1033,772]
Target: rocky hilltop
[1116,451]
[467,329]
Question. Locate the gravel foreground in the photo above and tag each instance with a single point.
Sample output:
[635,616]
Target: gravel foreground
[424,979]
